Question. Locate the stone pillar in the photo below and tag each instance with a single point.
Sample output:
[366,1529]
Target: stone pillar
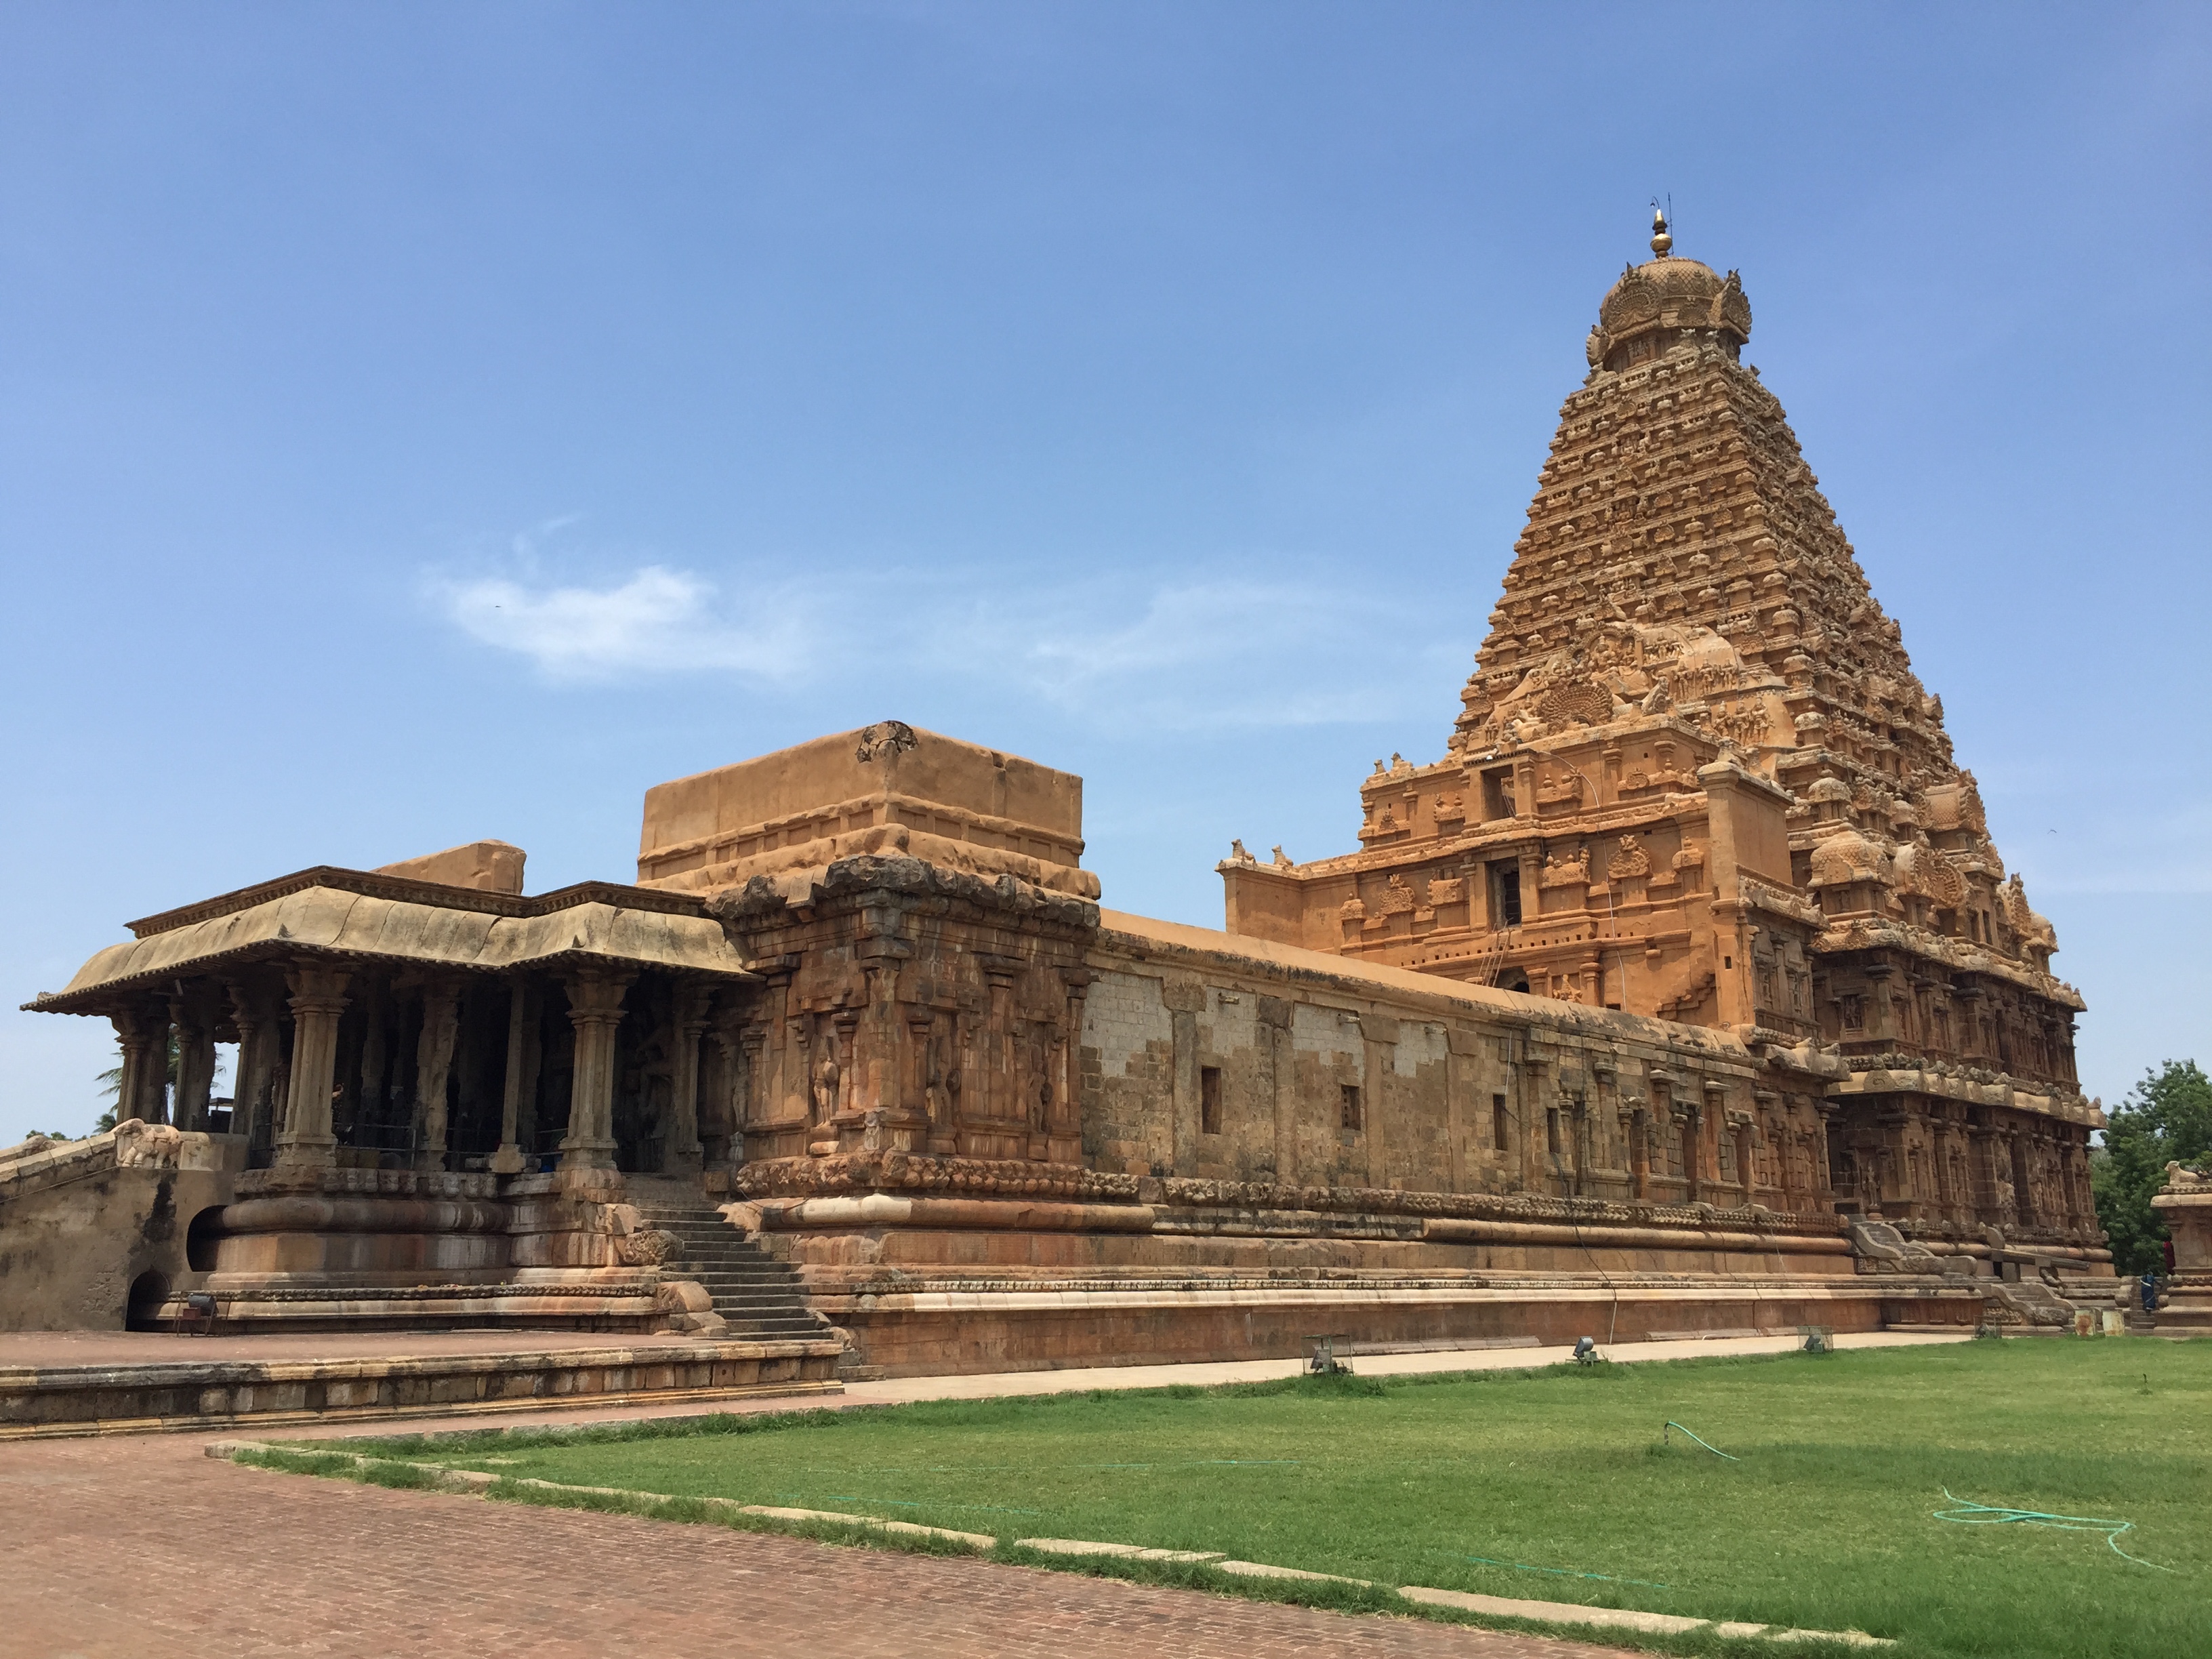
[375,1106]
[318,1000]
[434,1065]
[1065,1144]
[1640,1151]
[595,1009]
[1275,1016]
[257,1044]
[518,1104]
[1528,1103]
[1609,1152]
[2023,1181]
[682,1154]
[1773,1113]
[1380,1039]
[1460,1050]
[1185,1000]
[1744,1168]
[190,1018]
[140,1092]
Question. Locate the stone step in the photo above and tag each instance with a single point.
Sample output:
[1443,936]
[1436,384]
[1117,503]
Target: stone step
[756,1295]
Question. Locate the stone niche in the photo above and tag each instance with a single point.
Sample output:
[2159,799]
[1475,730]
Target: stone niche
[887,790]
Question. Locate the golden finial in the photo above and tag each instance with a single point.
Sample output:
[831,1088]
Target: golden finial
[1661,241]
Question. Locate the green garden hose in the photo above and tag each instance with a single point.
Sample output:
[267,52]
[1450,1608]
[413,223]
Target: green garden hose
[1969,1513]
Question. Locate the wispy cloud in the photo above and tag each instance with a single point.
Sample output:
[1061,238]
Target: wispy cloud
[1164,653]
[1192,655]
[656,621]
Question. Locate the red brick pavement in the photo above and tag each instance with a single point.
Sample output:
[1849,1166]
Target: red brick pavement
[140,1547]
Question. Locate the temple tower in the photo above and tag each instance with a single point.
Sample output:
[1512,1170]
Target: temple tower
[1695,776]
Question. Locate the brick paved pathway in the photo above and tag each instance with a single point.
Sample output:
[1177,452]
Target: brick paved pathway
[141,1547]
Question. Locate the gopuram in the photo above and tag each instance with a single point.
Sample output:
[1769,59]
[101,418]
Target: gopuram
[1685,994]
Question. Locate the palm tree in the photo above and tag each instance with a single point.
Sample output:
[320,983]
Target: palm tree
[111,1083]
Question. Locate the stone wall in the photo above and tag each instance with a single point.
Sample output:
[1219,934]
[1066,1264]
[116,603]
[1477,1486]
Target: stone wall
[78,1228]
[1224,1058]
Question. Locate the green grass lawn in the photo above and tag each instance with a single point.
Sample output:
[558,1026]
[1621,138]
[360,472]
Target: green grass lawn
[1827,1519]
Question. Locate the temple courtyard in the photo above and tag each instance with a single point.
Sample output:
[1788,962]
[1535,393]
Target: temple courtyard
[1954,1497]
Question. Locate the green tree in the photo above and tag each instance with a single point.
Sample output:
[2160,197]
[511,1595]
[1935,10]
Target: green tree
[2166,1117]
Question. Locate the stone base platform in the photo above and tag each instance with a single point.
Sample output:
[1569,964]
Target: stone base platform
[927,1327]
[75,1383]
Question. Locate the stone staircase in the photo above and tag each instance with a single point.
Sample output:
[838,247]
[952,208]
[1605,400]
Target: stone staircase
[758,1296]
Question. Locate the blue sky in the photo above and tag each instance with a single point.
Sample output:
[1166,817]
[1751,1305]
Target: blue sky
[422,423]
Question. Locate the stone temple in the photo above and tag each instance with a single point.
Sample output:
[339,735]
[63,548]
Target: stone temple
[1685,992]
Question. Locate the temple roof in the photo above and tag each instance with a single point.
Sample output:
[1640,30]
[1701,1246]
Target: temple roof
[360,914]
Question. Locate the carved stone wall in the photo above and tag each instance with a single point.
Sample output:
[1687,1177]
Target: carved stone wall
[911,1008]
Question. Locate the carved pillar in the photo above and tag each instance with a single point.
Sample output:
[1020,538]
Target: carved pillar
[1529,1076]
[1455,1070]
[1185,1000]
[1881,1016]
[1774,1123]
[375,1104]
[434,1065]
[844,1095]
[879,1069]
[192,1020]
[141,1091]
[595,1009]
[682,1154]
[1635,1131]
[1275,1016]
[518,1101]
[1067,1113]
[1380,1039]
[257,1041]
[2023,1179]
[318,1000]
[1607,1155]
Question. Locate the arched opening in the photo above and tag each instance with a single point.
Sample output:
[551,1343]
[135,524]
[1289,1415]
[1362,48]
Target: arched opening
[200,1239]
[143,1307]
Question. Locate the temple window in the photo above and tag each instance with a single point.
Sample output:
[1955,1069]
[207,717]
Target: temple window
[1209,1099]
[1497,794]
[1498,1127]
[1348,1106]
[1505,889]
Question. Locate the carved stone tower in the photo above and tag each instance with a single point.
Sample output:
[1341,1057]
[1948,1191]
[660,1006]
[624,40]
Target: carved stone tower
[1695,776]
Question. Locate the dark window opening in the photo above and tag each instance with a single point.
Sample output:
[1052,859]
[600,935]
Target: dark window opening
[1209,1099]
[1348,1106]
[1552,1130]
[1505,886]
[1498,1124]
[1497,794]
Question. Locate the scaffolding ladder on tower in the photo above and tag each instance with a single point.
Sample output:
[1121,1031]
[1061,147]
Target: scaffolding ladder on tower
[1494,959]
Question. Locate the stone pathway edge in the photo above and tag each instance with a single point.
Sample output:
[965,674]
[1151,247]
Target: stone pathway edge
[257,1453]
